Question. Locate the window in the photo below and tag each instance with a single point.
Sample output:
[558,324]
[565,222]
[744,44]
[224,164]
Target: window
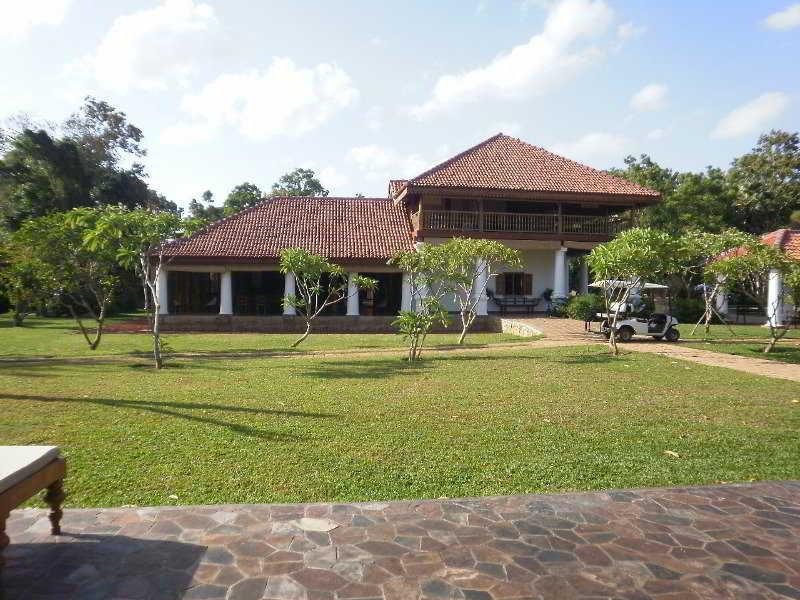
[514,284]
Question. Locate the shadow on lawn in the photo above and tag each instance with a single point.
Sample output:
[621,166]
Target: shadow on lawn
[163,408]
[365,368]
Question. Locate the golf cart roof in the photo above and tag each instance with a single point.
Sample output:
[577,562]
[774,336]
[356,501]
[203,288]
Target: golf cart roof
[614,283]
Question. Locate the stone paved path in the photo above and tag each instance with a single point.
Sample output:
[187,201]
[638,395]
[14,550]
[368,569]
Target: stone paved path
[735,541]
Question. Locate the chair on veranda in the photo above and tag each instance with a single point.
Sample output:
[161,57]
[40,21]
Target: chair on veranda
[25,471]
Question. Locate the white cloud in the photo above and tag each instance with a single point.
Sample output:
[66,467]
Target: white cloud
[282,99]
[151,49]
[598,149]
[751,116]
[656,134]
[19,17]
[651,97]
[628,31]
[788,18]
[381,163]
[333,180]
[548,59]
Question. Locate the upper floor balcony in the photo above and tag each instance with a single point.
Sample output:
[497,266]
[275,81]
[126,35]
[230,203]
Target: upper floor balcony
[555,223]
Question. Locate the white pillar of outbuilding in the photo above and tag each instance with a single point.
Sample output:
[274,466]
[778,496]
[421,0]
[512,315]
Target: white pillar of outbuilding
[162,293]
[288,290]
[775,314]
[226,293]
[560,279]
[405,299]
[584,277]
[721,301]
[352,295]
[482,307]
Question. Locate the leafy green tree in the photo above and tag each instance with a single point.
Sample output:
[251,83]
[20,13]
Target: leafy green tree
[426,271]
[135,237]
[300,182]
[28,282]
[748,268]
[243,196]
[319,284]
[696,250]
[40,175]
[648,173]
[469,265]
[202,213]
[625,263]
[85,278]
[768,179]
[104,134]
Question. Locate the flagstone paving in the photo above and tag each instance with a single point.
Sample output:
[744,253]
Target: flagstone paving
[729,541]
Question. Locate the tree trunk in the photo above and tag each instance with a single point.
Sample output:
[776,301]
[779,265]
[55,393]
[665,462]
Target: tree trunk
[304,336]
[19,315]
[464,326]
[157,336]
[771,344]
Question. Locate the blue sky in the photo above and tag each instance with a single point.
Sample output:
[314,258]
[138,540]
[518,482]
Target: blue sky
[362,91]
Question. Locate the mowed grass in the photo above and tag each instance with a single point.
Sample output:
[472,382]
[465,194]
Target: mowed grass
[785,351]
[60,337]
[735,332]
[305,429]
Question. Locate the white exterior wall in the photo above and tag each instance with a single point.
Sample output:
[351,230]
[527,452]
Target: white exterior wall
[539,263]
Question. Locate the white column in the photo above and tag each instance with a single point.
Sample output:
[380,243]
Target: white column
[405,300]
[560,281]
[584,277]
[288,290]
[775,299]
[161,292]
[721,300]
[482,307]
[421,295]
[352,295]
[226,293]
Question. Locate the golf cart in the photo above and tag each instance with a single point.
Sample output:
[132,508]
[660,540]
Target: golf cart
[634,318]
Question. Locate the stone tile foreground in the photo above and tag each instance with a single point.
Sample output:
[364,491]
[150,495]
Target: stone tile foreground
[733,541]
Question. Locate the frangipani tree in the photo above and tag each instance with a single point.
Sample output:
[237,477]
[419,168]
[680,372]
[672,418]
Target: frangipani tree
[625,263]
[319,284]
[698,249]
[425,270]
[80,278]
[136,238]
[748,268]
[469,264]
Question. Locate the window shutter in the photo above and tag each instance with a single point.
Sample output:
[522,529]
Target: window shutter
[527,284]
[500,285]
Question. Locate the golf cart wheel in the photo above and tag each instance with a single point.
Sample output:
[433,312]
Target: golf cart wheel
[672,335]
[625,334]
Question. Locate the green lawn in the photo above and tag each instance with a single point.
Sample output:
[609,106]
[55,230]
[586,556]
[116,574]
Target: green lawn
[60,337]
[784,352]
[740,332]
[218,430]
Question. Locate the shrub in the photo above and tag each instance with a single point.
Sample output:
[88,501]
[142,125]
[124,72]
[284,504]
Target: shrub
[688,310]
[582,307]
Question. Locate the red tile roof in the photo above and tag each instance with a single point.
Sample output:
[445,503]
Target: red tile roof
[338,228]
[396,186]
[506,163]
[787,240]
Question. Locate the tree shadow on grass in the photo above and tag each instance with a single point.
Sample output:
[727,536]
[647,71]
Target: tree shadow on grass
[100,566]
[165,408]
[365,368]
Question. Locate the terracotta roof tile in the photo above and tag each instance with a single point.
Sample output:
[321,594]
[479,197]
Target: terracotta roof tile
[786,239]
[338,228]
[506,163]
[396,186]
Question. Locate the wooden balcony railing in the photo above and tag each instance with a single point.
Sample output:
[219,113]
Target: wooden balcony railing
[443,220]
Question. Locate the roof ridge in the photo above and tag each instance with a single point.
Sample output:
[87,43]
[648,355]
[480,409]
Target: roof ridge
[452,159]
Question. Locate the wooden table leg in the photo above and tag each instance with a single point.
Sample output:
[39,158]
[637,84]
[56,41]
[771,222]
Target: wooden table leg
[54,496]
